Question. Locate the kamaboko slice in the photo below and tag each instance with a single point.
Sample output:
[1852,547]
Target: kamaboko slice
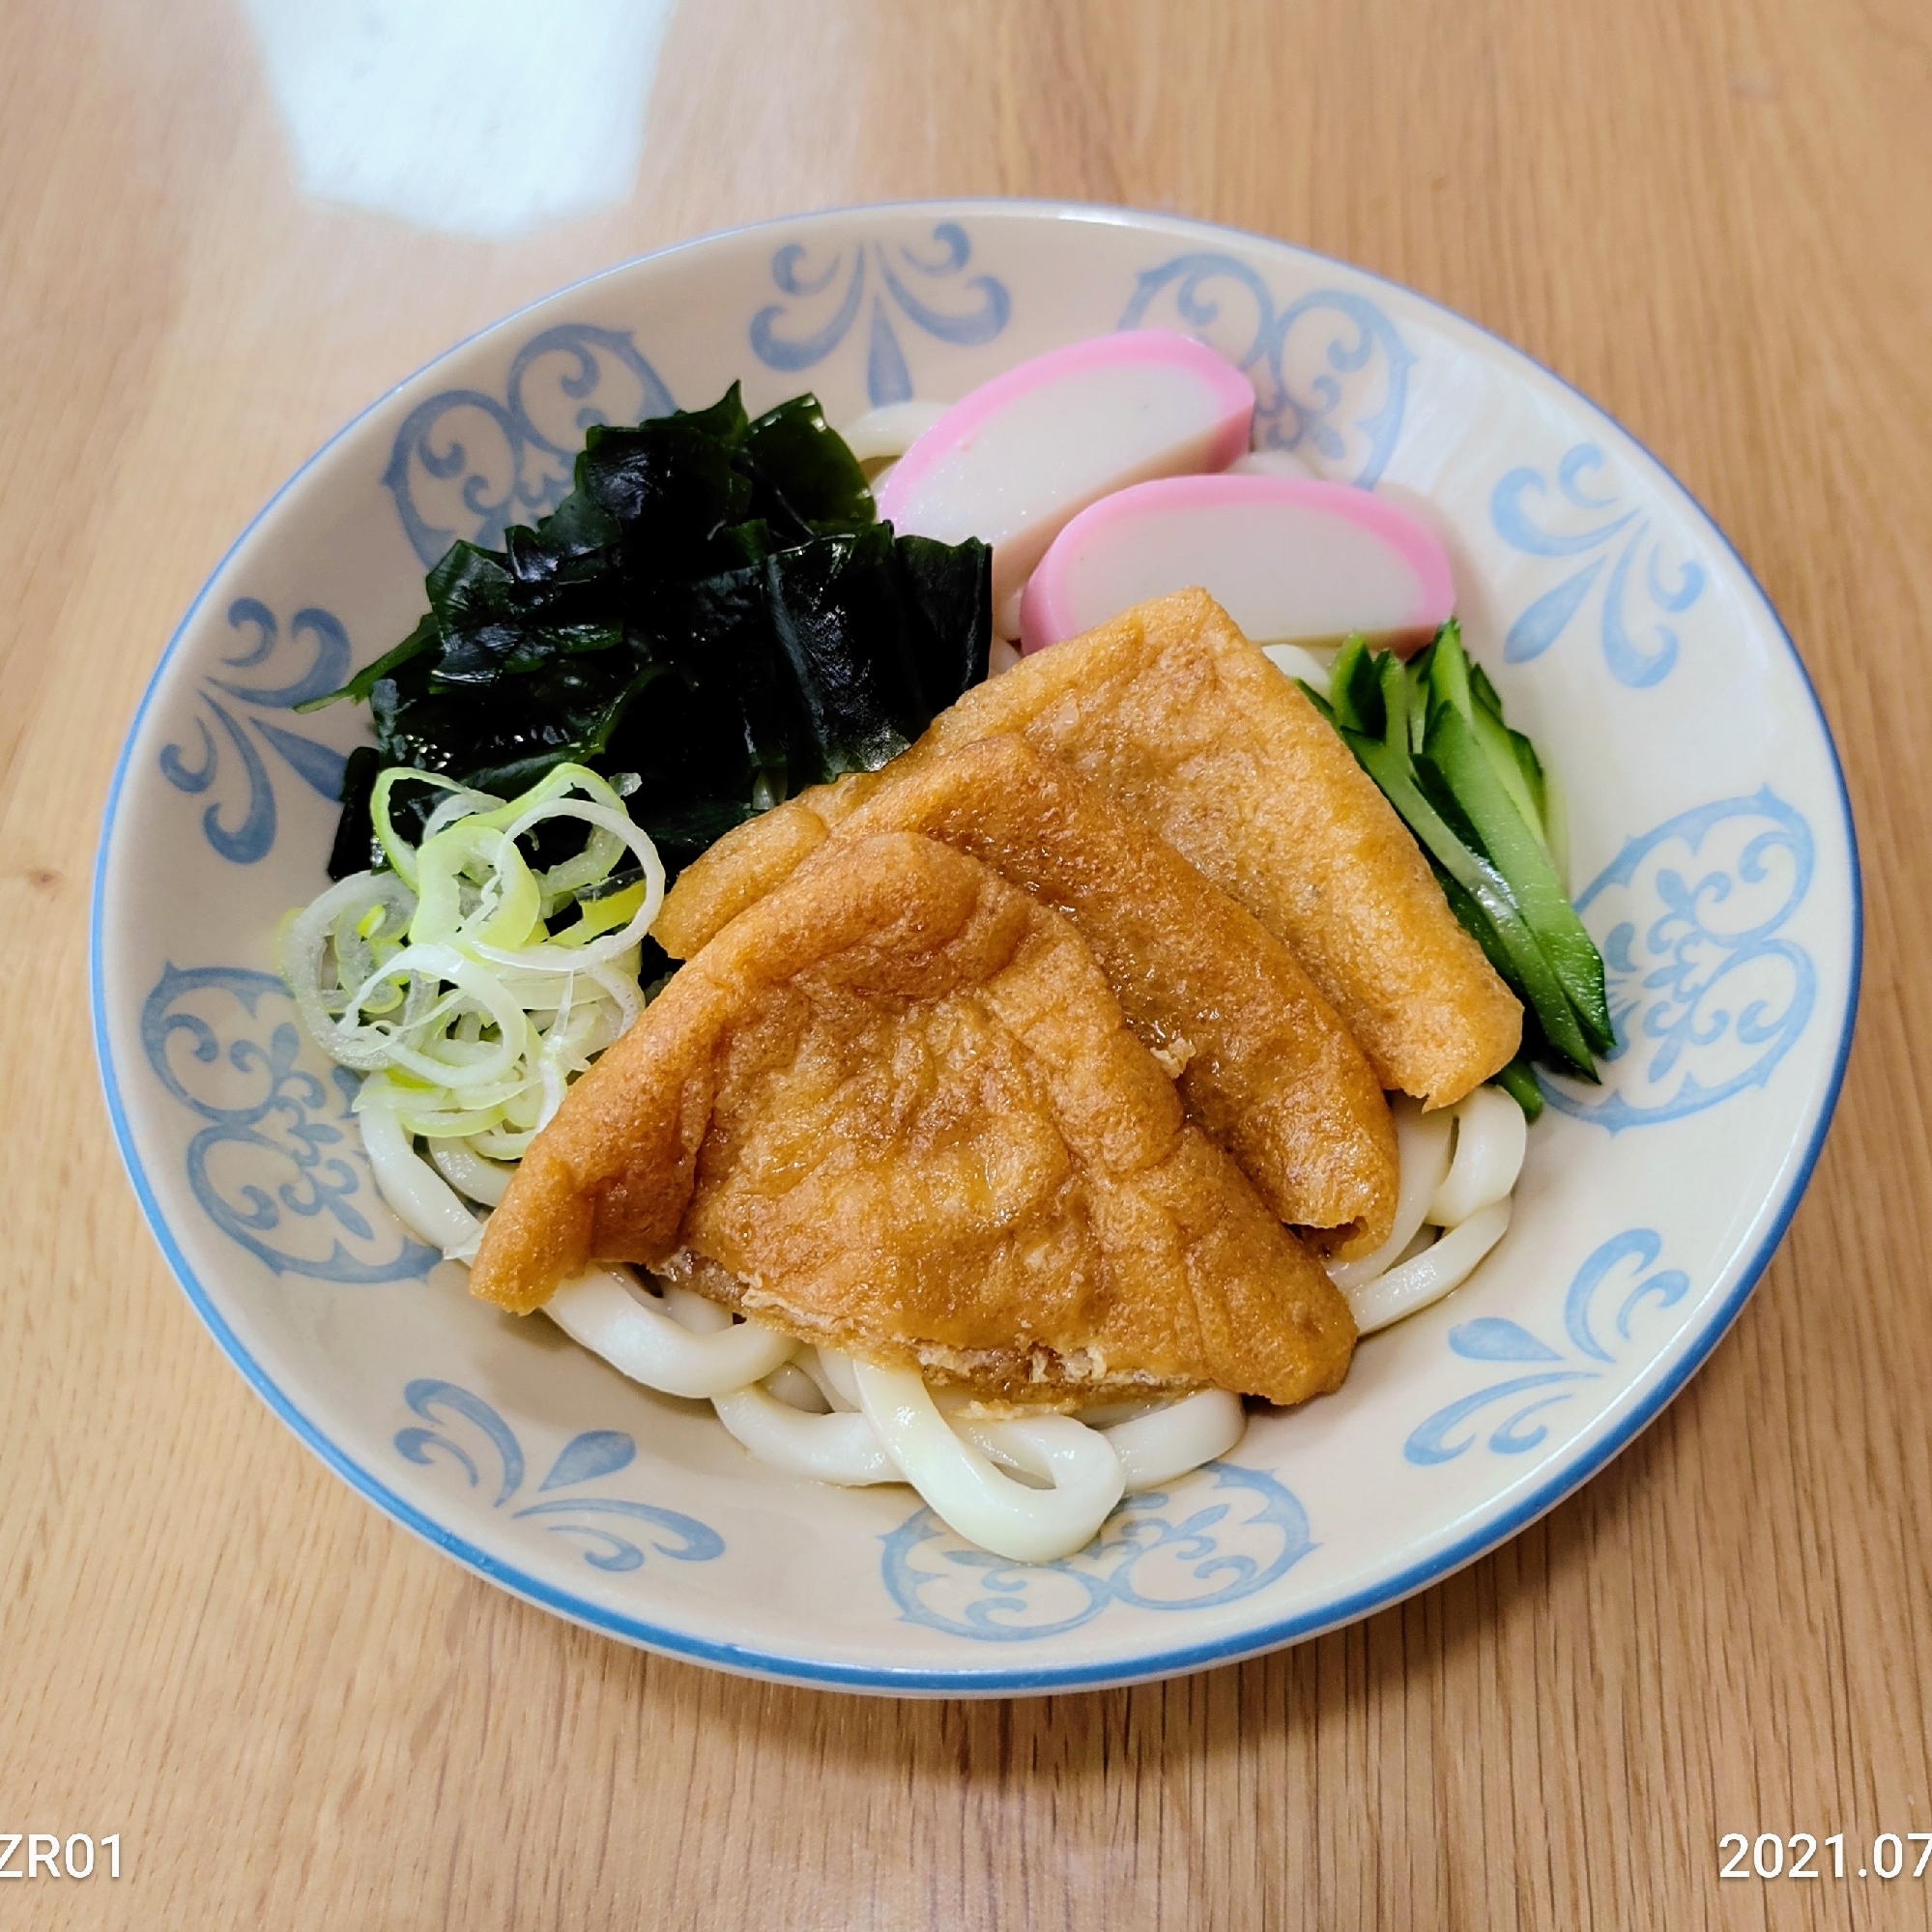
[1013,461]
[1291,560]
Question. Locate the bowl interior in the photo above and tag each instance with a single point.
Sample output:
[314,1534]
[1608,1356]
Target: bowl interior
[1712,856]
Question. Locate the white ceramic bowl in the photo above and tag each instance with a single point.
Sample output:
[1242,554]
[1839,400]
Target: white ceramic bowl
[1713,855]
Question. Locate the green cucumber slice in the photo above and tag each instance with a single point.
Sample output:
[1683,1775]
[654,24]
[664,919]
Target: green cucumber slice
[1519,1082]
[1530,970]
[1519,854]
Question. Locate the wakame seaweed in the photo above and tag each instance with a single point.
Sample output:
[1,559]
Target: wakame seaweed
[714,606]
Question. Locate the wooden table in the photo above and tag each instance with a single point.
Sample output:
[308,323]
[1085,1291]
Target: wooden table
[1714,218]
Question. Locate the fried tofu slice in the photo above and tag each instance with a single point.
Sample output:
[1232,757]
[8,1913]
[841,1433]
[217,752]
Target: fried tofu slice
[894,1107]
[1175,715]
[1263,1064]
[1174,712]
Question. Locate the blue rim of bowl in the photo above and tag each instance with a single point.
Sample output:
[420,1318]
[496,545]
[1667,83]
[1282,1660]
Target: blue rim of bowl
[1167,1663]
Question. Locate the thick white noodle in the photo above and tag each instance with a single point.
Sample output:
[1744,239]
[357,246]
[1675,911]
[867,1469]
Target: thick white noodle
[690,1309]
[838,1376]
[1492,1136]
[1154,1449]
[423,1201]
[1467,1196]
[1155,1441]
[837,1448]
[1433,1272]
[1105,1415]
[1422,1143]
[963,1485]
[883,1425]
[622,1323]
[790,1384]
[814,1363]
[890,430]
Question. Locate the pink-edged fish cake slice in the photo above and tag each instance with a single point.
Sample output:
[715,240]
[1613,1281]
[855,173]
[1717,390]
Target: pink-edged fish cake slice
[1291,560]
[1015,460]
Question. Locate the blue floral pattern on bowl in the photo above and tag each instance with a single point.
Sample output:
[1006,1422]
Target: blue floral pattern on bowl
[1706,995]
[248,839]
[1153,1553]
[466,1431]
[920,285]
[1547,1375]
[1329,369]
[1597,528]
[278,1167]
[466,464]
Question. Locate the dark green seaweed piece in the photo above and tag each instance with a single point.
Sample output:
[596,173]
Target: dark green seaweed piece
[494,618]
[803,472]
[356,849]
[950,586]
[713,607]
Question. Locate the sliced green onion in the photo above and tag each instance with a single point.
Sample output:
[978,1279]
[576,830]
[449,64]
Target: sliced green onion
[440,978]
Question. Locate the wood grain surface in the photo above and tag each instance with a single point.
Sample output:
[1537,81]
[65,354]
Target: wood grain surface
[1713,215]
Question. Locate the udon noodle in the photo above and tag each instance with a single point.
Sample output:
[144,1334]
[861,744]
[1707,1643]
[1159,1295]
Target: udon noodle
[1030,1488]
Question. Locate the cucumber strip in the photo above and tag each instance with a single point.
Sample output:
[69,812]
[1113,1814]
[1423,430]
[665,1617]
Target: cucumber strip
[1473,920]
[1396,733]
[1316,699]
[1465,685]
[1514,755]
[1355,689]
[1494,736]
[1340,676]
[1484,692]
[1530,970]
[1519,854]
[1556,822]
[1535,1039]
[1538,781]
[1520,1083]
[1449,669]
